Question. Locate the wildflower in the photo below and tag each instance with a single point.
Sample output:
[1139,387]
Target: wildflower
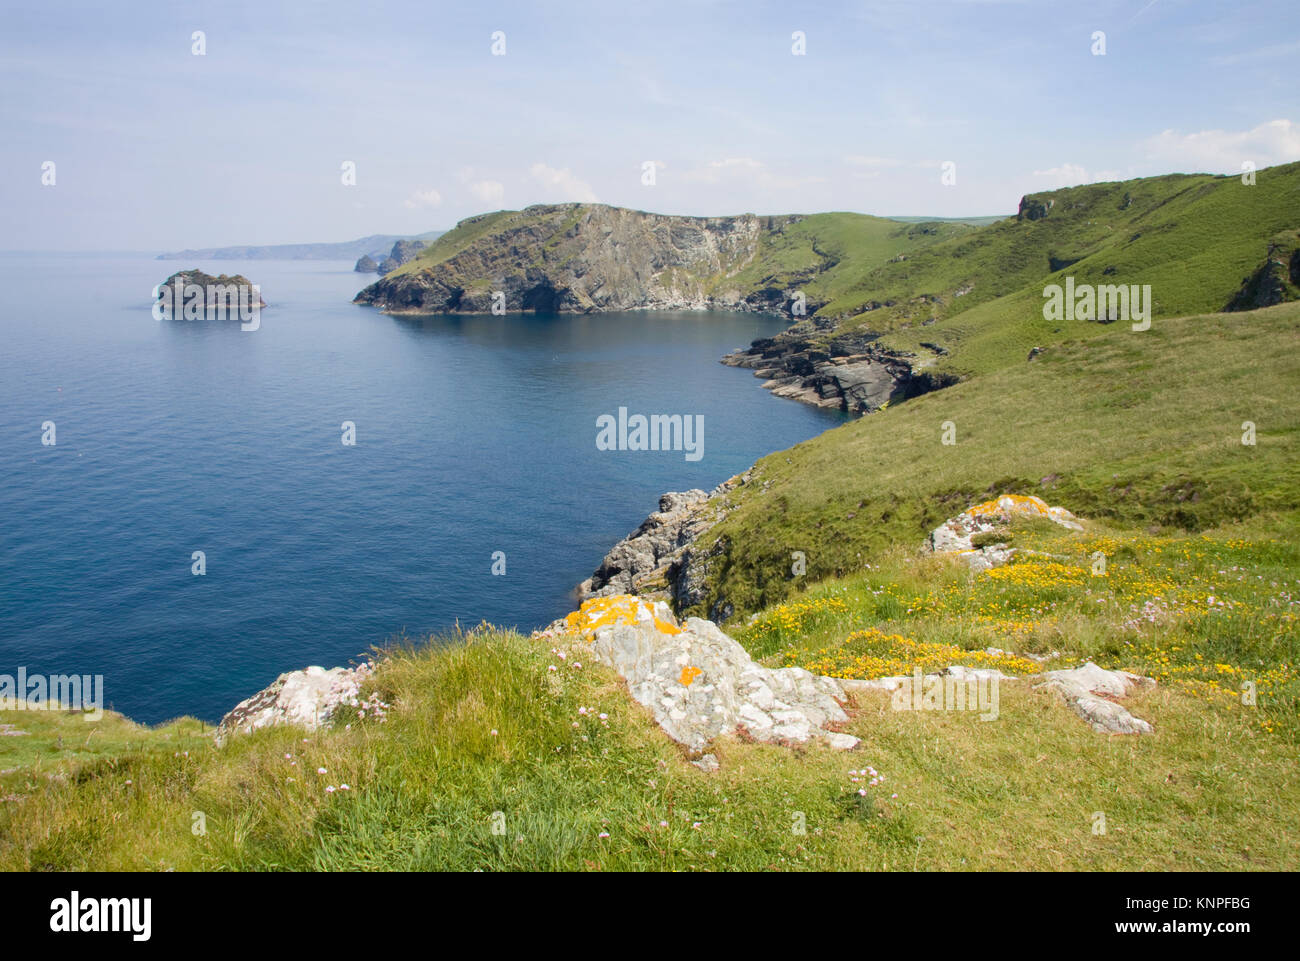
[321,770]
[603,834]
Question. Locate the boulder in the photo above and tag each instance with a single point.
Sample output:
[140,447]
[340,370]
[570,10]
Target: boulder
[1090,692]
[698,683]
[306,698]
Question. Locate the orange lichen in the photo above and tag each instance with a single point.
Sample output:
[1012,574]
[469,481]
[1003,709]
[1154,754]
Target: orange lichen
[689,674]
[998,505]
[608,611]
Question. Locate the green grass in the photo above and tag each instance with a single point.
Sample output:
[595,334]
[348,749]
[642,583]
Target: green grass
[1196,239]
[1142,429]
[1204,613]
[426,783]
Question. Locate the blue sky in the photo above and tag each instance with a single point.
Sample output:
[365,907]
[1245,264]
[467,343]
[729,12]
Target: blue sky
[156,148]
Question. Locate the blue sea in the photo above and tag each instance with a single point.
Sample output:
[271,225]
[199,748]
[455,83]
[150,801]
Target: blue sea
[473,435]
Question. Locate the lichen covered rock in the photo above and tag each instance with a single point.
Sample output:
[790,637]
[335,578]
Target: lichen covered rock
[697,682]
[955,535]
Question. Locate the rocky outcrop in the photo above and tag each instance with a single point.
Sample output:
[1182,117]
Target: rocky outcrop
[1034,208]
[642,562]
[366,265]
[849,374]
[306,698]
[220,292]
[1275,281]
[697,682]
[1092,693]
[583,258]
[987,521]
[404,251]
[664,559]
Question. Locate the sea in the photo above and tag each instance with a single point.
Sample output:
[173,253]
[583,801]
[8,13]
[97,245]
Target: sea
[182,513]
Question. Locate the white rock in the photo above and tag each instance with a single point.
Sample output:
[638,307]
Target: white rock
[307,698]
[1086,690]
[954,536]
[698,682]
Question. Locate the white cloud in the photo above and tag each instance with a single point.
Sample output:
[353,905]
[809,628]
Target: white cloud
[490,192]
[424,198]
[562,185]
[1224,151]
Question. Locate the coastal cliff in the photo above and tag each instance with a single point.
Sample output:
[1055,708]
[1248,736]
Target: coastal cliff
[583,258]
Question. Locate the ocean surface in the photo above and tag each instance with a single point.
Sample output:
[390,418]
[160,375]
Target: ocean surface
[473,435]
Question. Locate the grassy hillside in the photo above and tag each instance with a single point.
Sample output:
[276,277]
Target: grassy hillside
[1140,428]
[483,726]
[825,255]
[1197,240]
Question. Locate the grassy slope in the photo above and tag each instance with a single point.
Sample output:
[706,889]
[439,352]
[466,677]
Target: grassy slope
[1194,239]
[425,782]
[1141,428]
[824,254]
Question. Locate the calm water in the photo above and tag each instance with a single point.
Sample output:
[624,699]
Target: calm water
[474,435]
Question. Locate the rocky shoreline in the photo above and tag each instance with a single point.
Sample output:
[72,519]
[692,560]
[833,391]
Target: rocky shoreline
[664,558]
[850,373]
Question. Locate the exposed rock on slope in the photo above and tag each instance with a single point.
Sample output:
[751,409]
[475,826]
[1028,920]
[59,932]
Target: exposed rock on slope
[956,535]
[1091,692]
[699,683]
[307,698]
[649,560]
[849,374]
[583,258]
[403,252]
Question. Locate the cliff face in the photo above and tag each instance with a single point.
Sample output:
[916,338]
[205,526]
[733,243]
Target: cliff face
[583,258]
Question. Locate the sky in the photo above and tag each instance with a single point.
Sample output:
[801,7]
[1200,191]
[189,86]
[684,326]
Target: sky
[156,147]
